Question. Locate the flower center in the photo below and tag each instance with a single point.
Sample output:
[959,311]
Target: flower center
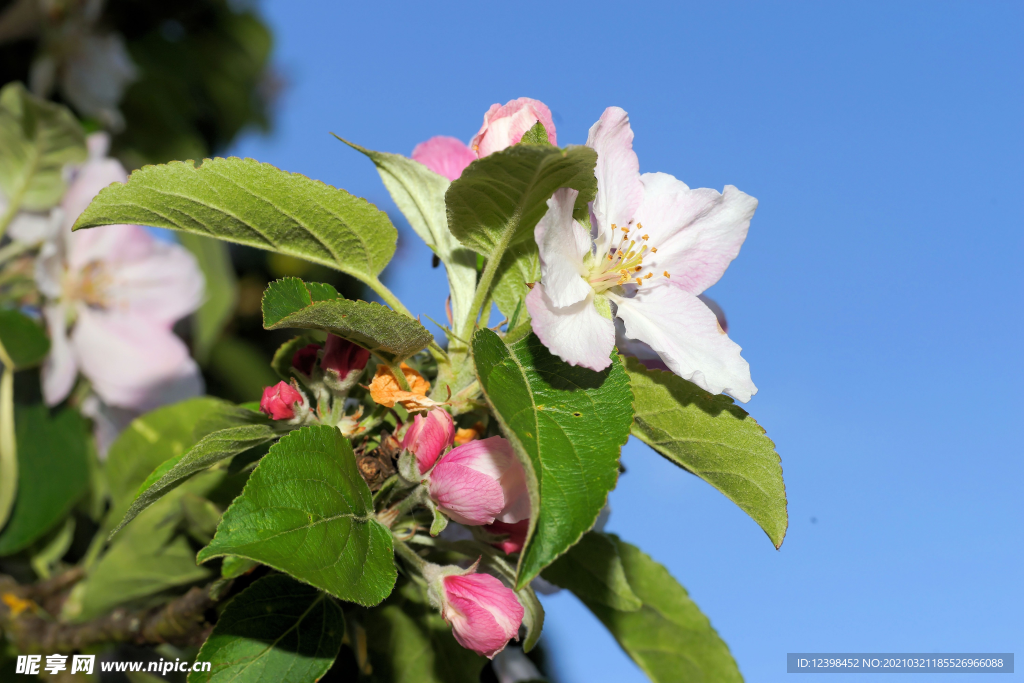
[624,261]
[90,286]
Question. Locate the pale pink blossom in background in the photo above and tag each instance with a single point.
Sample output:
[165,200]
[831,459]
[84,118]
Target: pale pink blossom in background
[654,247]
[480,482]
[504,126]
[428,436]
[113,295]
[484,613]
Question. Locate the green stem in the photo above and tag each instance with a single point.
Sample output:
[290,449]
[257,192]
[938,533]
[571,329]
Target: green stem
[8,444]
[409,555]
[483,287]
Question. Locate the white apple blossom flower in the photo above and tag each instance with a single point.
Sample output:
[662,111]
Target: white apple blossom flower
[654,247]
[112,296]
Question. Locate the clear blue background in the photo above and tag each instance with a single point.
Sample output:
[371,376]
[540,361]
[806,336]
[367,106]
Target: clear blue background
[877,298]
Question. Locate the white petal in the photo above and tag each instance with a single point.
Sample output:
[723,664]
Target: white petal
[163,286]
[59,368]
[130,363]
[685,333]
[577,334]
[619,190]
[563,243]
[697,232]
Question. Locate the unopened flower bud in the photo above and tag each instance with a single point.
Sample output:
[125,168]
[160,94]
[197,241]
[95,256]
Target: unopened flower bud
[279,401]
[516,535]
[479,482]
[343,357]
[484,613]
[505,125]
[304,360]
[428,436]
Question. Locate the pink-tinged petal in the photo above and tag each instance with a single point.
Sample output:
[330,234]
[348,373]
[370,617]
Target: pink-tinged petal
[648,356]
[483,612]
[108,244]
[516,535]
[494,459]
[428,436]
[126,360]
[619,190]
[685,333]
[444,155]
[505,125]
[577,334]
[60,368]
[717,310]
[93,176]
[563,243]
[697,232]
[163,285]
[465,495]
[344,357]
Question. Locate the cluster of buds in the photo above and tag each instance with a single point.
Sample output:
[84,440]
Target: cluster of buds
[330,372]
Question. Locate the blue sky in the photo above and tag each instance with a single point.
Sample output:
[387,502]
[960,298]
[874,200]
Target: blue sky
[877,298]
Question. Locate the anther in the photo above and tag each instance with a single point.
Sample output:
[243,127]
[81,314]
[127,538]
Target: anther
[654,250]
[645,237]
[648,276]
[638,268]
[639,281]
[666,274]
[639,226]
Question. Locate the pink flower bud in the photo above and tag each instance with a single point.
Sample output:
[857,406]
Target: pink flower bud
[343,357]
[444,155]
[479,482]
[305,358]
[483,612]
[428,436]
[516,535]
[279,401]
[505,125]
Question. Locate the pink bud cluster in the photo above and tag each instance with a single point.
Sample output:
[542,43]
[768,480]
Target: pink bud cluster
[477,483]
[340,356]
[484,613]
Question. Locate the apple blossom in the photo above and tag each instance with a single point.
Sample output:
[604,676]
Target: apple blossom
[279,401]
[504,126]
[119,290]
[654,247]
[484,613]
[428,436]
[480,482]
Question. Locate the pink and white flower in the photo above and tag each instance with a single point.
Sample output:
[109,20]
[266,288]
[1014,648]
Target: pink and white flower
[504,126]
[480,482]
[484,613]
[114,293]
[654,247]
[428,436]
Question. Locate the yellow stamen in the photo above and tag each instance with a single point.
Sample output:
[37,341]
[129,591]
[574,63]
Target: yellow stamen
[639,226]
[645,237]
[638,268]
[639,281]
[648,276]
[654,250]
[666,274]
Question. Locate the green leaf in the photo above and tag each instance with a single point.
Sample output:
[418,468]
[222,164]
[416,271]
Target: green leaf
[409,642]
[538,135]
[23,342]
[306,511]
[221,292]
[213,448]
[147,557]
[497,200]
[53,473]
[37,140]
[669,638]
[592,569]
[519,266]
[160,435]
[244,201]
[275,631]
[568,425]
[241,367]
[713,438]
[419,194]
[290,302]
[233,566]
